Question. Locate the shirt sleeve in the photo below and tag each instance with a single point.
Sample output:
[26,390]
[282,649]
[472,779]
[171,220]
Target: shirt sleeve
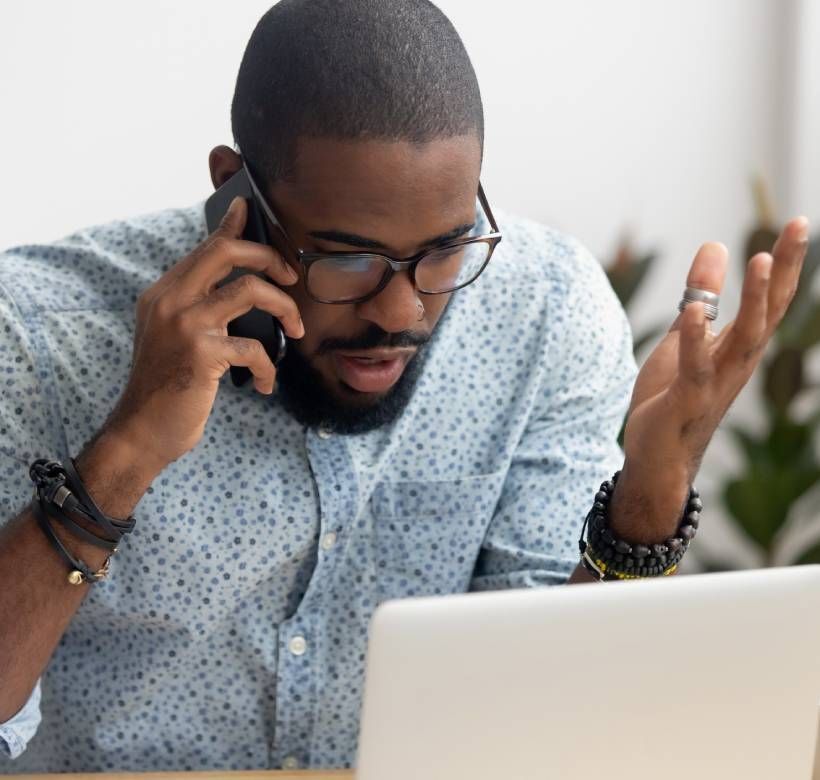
[569,444]
[29,428]
[16,732]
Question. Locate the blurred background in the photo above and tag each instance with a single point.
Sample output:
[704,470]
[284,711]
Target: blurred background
[643,127]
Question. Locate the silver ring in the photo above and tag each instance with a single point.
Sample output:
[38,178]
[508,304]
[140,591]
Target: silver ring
[710,301]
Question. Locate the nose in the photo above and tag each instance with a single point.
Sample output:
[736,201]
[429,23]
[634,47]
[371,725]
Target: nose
[395,308]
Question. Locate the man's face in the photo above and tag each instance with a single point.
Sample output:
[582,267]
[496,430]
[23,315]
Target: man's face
[356,365]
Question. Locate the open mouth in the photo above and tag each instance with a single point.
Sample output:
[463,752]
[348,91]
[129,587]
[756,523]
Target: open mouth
[371,373]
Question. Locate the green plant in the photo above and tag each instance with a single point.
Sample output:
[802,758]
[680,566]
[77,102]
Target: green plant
[780,463]
[626,273]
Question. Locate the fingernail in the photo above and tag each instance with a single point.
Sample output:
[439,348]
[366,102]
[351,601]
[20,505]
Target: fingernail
[234,202]
[803,230]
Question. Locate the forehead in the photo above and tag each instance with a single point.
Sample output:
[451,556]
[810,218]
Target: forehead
[375,184]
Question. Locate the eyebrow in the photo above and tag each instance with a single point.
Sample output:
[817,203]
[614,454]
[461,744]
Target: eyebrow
[351,239]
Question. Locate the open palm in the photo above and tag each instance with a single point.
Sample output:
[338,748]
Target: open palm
[689,381]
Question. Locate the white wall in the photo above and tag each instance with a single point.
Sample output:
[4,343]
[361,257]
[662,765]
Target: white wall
[651,114]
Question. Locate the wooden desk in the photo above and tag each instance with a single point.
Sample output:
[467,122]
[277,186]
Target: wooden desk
[319,774]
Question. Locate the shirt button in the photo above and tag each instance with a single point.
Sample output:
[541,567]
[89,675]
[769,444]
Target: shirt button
[329,540]
[324,433]
[298,645]
[291,762]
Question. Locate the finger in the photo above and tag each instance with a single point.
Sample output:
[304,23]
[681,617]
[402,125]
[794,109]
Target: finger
[250,353]
[214,258]
[695,366]
[224,255]
[789,252]
[707,272]
[228,245]
[241,295]
[233,222]
[231,225]
[743,340]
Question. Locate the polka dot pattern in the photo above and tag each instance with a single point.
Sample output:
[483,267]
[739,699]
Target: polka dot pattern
[232,632]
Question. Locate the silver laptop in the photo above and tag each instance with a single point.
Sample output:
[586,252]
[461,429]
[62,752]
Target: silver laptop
[708,676]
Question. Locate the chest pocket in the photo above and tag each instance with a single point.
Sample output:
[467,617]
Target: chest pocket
[428,534]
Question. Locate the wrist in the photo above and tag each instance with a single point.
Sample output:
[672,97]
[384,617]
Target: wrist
[116,472]
[647,505]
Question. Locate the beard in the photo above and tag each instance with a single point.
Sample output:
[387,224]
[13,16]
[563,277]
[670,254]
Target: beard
[305,394]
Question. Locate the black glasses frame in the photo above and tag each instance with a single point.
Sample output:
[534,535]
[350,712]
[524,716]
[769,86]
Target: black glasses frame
[394,264]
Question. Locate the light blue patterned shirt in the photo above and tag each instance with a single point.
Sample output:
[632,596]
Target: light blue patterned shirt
[232,631]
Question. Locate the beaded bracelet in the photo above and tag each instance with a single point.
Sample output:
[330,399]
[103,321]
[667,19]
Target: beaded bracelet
[607,557]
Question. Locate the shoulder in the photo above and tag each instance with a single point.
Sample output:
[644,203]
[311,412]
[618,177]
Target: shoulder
[533,253]
[540,273]
[102,266]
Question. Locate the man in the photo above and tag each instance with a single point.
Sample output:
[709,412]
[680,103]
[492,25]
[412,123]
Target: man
[420,440]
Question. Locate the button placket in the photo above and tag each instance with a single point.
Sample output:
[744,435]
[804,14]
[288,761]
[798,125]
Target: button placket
[337,487]
[296,692]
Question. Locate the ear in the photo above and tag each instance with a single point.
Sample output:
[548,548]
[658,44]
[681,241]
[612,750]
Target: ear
[223,162]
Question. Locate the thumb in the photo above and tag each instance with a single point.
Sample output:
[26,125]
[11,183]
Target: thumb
[233,223]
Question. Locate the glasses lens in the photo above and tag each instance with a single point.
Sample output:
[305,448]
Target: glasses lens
[451,267]
[345,279]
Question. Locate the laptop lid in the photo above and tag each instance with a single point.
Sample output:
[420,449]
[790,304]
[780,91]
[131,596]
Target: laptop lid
[714,675]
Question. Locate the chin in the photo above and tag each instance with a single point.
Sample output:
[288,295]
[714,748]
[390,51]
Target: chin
[315,399]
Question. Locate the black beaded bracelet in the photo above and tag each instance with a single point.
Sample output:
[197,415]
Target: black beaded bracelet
[607,557]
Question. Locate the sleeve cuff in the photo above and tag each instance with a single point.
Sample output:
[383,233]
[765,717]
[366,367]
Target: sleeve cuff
[16,732]
[11,745]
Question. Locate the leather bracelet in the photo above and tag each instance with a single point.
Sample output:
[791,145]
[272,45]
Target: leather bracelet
[79,571]
[60,489]
[111,525]
[607,557]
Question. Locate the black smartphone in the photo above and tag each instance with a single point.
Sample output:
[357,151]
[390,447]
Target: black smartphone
[255,324]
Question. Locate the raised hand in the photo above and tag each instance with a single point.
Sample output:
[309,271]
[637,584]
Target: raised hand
[691,378]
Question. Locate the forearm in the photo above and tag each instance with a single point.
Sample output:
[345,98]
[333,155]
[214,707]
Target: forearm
[37,602]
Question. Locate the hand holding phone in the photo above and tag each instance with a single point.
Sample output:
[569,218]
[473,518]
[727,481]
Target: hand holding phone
[255,324]
[181,344]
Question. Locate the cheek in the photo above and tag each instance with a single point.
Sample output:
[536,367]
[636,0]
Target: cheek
[434,306]
[321,321]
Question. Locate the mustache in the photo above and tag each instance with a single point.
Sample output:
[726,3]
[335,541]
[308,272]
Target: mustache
[373,338]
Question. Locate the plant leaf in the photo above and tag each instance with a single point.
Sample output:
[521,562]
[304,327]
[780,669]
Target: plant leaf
[812,555]
[626,279]
[760,500]
[783,378]
[761,239]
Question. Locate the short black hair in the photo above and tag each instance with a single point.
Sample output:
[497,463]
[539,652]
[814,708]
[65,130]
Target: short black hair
[351,69]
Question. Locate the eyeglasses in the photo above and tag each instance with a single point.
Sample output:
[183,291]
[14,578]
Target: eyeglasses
[354,277]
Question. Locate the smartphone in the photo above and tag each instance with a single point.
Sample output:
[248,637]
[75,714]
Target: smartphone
[255,324]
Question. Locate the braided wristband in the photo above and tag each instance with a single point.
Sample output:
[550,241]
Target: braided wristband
[607,557]
[79,571]
[59,489]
